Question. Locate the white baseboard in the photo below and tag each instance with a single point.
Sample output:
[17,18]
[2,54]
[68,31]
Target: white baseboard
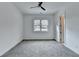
[71,49]
[9,48]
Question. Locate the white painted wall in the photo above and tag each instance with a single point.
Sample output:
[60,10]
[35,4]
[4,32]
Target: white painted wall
[28,29]
[72,28]
[10,27]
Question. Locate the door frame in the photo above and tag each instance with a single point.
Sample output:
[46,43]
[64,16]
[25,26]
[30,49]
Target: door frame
[62,28]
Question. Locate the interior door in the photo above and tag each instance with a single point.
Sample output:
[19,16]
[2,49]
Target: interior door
[62,29]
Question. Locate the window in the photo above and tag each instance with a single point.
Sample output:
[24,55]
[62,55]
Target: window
[36,25]
[44,25]
[40,25]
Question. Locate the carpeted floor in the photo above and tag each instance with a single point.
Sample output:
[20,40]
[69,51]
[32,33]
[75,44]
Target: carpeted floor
[40,49]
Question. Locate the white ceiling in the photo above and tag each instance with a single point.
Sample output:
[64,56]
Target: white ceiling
[51,7]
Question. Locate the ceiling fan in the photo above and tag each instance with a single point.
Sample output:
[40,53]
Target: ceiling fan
[40,5]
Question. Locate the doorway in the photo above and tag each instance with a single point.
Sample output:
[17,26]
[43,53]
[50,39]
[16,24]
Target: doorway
[62,19]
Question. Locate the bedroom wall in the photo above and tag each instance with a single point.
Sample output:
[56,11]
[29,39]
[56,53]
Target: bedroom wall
[28,29]
[72,27]
[10,27]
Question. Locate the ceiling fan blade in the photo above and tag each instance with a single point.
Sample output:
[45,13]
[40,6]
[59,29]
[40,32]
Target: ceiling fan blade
[40,3]
[34,7]
[43,8]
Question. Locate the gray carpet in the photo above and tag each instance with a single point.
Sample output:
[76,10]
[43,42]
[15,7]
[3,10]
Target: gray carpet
[40,49]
